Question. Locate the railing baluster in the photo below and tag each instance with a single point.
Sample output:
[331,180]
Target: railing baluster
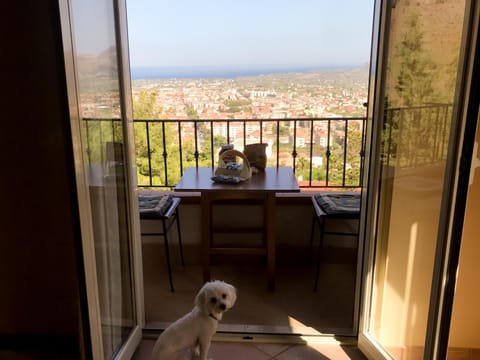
[260,126]
[196,154]
[228,132]
[362,153]
[149,153]
[294,152]
[245,133]
[101,151]
[87,134]
[311,154]
[180,150]
[212,151]
[327,153]
[164,154]
[278,143]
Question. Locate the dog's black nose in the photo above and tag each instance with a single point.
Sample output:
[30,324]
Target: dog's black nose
[222,307]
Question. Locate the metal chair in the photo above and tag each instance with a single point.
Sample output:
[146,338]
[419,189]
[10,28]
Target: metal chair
[332,206]
[168,215]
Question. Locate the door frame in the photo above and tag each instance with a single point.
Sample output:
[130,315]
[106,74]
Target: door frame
[454,206]
[120,8]
[91,282]
[369,205]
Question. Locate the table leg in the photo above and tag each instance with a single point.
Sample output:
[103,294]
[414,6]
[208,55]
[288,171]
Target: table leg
[206,211]
[270,219]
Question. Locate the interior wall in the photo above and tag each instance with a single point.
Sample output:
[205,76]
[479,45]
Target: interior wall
[293,229]
[41,300]
[465,323]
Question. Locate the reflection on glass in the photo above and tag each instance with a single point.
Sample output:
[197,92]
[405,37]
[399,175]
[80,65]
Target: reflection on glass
[102,140]
[422,58]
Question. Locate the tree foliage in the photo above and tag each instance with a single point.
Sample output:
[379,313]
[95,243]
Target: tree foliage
[157,144]
[412,118]
[415,80]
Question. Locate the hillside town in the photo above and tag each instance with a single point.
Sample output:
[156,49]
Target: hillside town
[308,114]
[332,93]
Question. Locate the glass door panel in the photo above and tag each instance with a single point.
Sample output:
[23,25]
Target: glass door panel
[103,144]
[421,61]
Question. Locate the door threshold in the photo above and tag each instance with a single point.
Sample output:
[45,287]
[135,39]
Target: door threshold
[265,334]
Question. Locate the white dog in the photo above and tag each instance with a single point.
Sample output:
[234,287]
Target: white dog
[195,329]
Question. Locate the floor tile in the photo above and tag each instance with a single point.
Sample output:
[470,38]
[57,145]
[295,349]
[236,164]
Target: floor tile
[301,352]
[264,351]
[320,352]
[272,349]
[292,308]
[236,351]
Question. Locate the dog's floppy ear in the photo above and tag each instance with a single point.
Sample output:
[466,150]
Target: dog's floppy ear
[200,299]
[233,294]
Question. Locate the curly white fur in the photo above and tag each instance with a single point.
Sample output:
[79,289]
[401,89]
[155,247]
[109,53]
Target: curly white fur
[195,329]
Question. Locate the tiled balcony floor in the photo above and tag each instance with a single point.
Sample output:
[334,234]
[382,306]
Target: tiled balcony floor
[273,321]
[265,351]
[293,308]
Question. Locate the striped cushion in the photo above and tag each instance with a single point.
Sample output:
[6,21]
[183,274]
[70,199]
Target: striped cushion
[339,203]
[153,206]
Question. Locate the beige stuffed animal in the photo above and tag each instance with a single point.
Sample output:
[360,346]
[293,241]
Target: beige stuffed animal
[256,155]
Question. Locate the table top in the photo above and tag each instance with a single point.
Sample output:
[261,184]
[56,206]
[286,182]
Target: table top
[273,179]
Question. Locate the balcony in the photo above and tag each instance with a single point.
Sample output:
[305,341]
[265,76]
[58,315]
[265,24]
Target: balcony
[327,154]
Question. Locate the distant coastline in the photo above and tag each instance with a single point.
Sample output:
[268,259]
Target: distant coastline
[211,72]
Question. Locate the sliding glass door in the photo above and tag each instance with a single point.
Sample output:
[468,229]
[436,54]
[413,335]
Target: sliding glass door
[415,115]
[95,39]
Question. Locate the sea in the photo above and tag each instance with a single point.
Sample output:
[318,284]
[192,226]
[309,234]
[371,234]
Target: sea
[212,72]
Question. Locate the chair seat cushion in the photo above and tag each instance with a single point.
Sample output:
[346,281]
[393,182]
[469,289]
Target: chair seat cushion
[153,206]
[339,203]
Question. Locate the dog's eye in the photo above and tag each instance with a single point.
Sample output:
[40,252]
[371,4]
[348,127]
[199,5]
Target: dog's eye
[213,300]
[224,296]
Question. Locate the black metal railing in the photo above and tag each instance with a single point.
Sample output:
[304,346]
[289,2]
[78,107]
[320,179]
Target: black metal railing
[324,152]
[417,135]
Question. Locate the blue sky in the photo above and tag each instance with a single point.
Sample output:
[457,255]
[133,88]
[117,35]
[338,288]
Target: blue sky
[249,33]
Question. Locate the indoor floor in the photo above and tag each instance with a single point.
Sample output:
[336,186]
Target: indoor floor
[268,350]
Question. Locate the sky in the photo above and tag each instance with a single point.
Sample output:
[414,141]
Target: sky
[249,33]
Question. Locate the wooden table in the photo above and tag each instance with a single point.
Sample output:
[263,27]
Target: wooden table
[260,187]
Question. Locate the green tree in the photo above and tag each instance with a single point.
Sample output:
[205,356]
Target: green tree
[302,168]
[335,162]
[416,84]
[417,72]
[284,130]
[353,158]
[192,114]
[145,106]
[162,138]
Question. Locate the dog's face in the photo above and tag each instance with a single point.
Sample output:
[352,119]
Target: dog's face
[216,297]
